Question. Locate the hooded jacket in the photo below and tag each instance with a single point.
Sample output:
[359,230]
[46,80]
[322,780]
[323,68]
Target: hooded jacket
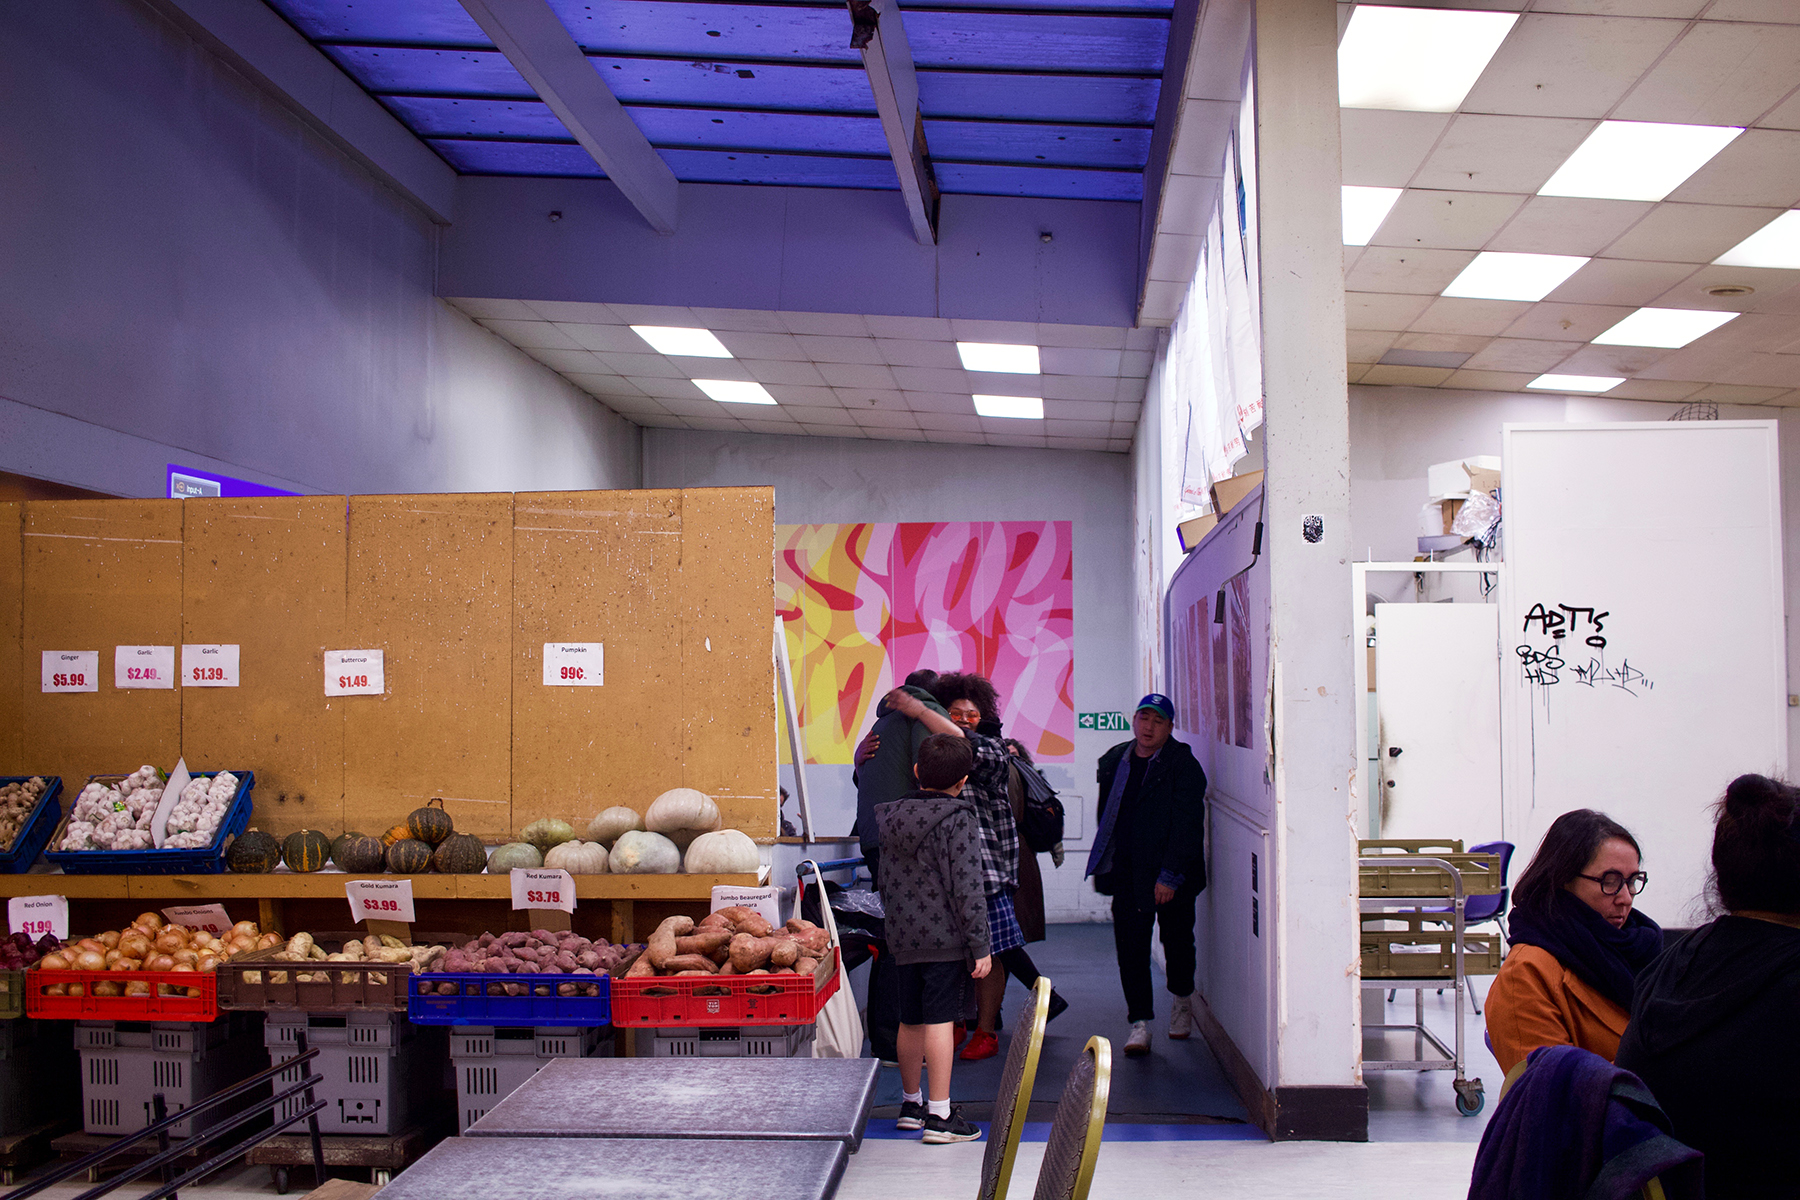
[931,879]
[1167,827]
[1713,1035]
[888,774]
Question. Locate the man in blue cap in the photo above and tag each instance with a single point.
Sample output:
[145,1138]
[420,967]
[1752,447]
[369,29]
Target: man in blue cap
[1150,857]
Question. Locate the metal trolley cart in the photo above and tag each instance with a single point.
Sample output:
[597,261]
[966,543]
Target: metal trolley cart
[1413,939]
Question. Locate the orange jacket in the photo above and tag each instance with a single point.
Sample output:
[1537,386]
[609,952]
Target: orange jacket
[1536,1002]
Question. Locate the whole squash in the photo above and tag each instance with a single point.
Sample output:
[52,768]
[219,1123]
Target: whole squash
[579,858]
[430,825]
[398,833]
[609,823]
[722,852]
[361,855]
[546,833]
[341,840]
[409,856]
[514,854]
[642,853]
[306,851]
[254,853]
[460,854]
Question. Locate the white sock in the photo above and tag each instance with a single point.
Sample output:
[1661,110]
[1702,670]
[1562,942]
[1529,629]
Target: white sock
[917,1097]
[938,1108]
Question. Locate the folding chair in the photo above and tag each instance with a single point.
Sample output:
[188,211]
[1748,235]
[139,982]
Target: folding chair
[1014,1097]
[1068,1170]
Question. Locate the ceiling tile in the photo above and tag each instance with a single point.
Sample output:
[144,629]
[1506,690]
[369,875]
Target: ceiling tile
[877,417]
[1611,360]
[1458,314]
[574,312]
[1076,410]
[1552,322]
[860,400]
[1089,337]
[1774,11]
[531,335]
[671,389]
[1568,66]
[1624,8]
[494,310]
[603,385]
[604,337]
[1119,445]
[931,379]
[919,328]
[817,397]
[803,373]
[1490,381]
[1446,220]
[1200,138]
[1441,343]
[1357,371]
[905,353]
[654,421]
[716,424]
[1079,387]
[962,422]
[840,349]
[1686,232]
[1174,256]
[766,425]
[1367,345]
[709,368]
[567,360]
[983,383]
[1567,225]
[1131,390]
[998,437]
[1481,153]
[1776,291]
[1719,73]
[1619,281]
[1011,333]
[750,344]
[1419,271]
[1058,360]
[739,320]
[1405,376]
[1725,393]
[655,314]
[1382,310]
[1162,300]
[1084,429]
[827,324]
[893,435]
[693,407]
[1761,167]
[1654,389]
[1137,362]
[939,402]
[857,375]
[1520,354]
[1785,115]
[834,417]
[653,366]
[1141,339]
[633,405]
[1075,443]
[1386,149]
[1187,202]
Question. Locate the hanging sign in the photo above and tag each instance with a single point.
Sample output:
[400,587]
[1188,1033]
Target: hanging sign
[143,666]
[209,666]
[35,916]
[380,900]
[538,888]
[355,673]
[71,670]
[574,664]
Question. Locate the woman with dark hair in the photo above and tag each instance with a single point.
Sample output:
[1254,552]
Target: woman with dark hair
[1577,943]
[1712,1030]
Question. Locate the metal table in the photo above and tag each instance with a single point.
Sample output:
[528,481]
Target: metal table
[784,1100]
[673,1169]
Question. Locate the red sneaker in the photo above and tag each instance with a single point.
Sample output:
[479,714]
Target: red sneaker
[981,1045]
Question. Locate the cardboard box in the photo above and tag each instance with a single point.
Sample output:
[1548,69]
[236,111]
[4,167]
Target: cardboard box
[1479,473]
[1192,530]
[1228,492]
[1450,508]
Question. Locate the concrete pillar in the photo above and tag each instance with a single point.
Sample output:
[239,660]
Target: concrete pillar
[1318,1091]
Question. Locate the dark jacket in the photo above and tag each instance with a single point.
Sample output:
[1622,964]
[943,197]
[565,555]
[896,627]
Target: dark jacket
[1167,826]
[1712,1034]
[888,775]
[931,879]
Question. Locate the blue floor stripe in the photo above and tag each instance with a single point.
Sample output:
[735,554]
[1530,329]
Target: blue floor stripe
[1039,1131]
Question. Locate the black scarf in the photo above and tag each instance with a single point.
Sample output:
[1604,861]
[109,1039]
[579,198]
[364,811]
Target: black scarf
[1606,959]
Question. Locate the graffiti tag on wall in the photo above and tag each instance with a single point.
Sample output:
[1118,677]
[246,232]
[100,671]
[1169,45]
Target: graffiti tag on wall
[1556,640]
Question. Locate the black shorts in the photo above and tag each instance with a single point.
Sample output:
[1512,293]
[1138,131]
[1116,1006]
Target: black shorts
[932,993]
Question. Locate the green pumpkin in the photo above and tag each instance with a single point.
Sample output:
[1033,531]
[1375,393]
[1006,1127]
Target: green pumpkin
[305,850]
[409,856]
[254,853]
[460,854]
[362,855]
[515,854]
[340,841]
[429,825]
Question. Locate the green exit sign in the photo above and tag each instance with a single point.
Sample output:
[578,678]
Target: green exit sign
[1113,721]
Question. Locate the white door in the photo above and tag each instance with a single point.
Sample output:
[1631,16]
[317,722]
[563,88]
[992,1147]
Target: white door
[1437,704]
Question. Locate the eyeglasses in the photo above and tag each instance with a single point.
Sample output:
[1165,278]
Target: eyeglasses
[1612,881]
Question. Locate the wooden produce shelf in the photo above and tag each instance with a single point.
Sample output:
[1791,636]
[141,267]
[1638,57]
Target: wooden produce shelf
[284,885]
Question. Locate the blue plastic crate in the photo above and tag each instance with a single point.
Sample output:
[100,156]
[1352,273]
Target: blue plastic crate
[473,1005]
[209,860]
[35,834]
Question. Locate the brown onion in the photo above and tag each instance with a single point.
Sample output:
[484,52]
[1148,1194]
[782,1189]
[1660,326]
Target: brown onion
[185,956]
[134,945]
[96,946]
[125,964]
[149,920]
[54,961]
[107,989]
[90,960]
[245,929]
[182,966]
[159,962]
[110,938]
[170,941]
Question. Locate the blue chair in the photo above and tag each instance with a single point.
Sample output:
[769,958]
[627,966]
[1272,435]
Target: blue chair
[1479,910]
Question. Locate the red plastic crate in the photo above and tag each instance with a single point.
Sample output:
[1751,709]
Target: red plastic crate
[690,1000]
[89,1007]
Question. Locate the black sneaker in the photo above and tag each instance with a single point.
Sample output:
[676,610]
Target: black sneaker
[953,1128]
[1058,1006]
[912,1116]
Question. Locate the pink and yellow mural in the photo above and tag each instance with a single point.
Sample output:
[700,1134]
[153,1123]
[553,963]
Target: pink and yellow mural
[865,605]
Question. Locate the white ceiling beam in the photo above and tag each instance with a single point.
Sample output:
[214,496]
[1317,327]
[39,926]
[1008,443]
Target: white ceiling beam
[540,48]
[879,33]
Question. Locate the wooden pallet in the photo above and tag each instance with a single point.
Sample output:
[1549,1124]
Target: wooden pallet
[380,1154]
[19,1152]
[72,1146]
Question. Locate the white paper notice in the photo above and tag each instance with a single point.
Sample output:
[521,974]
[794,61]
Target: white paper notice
[210,917]
[355,673]
[209,666]
[143,666]
[763,900]
[35,916]
[71,670]
[574,664]
[172,788]
[380,899]
[533,888]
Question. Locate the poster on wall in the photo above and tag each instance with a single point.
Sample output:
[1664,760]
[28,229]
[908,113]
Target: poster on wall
[864,605]
[1242,703]
[1200,674]
[1221,674]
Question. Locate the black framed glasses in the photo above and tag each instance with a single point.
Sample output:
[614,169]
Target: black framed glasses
[1611,881]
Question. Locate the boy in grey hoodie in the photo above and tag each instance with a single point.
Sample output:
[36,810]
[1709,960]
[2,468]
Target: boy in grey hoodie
[936,927]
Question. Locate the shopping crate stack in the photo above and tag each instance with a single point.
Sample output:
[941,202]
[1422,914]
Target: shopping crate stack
[124,1064]
[38,1073]
[492,1062]
[379,1070]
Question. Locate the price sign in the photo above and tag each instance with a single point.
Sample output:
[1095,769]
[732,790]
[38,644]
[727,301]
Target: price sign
[354,673]
[574,664]
[71,670]
[210,917]
[209,666]
[380,899]
[143,666]
[37,915]
[543,889]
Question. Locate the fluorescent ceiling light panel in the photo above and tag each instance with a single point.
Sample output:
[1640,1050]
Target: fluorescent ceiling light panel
[1497,276]
[994,356]
[1775,245]
[1420,59]
[1028,408]
[1669,328]
[687,343]
[1576,383]
[1365,208]
[735,391]
[1637,160]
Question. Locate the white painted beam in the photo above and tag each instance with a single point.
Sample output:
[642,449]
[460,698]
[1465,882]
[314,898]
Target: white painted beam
[541,49]
[257,42]
[888,60]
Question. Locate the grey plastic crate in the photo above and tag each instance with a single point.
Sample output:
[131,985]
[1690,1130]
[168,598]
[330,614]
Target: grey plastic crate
[124,1064]
[491,1063]
[750,1041]
[38,1073]
[375,1069]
